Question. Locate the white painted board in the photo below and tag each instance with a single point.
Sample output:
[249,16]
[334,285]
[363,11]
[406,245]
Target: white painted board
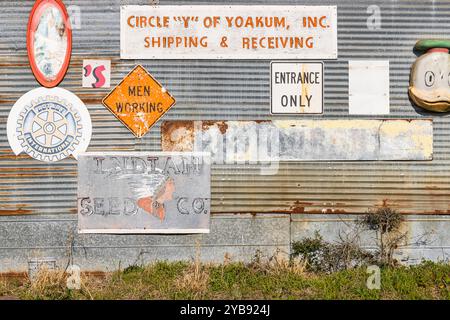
[368,87]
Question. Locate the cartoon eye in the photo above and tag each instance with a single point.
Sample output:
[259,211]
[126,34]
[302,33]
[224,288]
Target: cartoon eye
[429,78]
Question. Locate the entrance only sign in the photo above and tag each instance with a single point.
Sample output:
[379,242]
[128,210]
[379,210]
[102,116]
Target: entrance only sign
[296,87]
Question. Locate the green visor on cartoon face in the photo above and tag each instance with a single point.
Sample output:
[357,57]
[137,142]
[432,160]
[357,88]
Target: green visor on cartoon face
[430,78]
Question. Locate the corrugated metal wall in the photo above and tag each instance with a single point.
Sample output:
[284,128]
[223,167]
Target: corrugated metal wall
[234,90]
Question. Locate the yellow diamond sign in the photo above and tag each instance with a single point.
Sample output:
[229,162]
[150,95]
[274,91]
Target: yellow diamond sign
[139,101]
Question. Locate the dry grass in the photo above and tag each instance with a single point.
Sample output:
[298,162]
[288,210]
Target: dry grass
[52,284]
[278,264]
[3,287]
[48,281]
[273,277]
[194,279]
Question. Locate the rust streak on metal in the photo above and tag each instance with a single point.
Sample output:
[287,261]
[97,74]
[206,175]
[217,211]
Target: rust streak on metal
[24,275]
[9,101]
[29,175]
[299,207]
[177,135]
[222,125]
[33,169]
[107,148]
[14,157]
[13,275]
[89,98]
[77,61]
[5,64]
[15,212]
[440,212]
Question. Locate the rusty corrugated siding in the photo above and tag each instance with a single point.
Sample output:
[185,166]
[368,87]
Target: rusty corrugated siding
[236,90]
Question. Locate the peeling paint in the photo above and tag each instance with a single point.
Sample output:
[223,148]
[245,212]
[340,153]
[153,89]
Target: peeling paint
[179,135]
[303,140]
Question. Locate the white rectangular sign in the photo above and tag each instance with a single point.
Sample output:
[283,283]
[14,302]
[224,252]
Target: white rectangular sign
[296,87]
[228,32]
[368,87]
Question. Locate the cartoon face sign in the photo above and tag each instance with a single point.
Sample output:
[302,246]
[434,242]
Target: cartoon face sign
[430,76]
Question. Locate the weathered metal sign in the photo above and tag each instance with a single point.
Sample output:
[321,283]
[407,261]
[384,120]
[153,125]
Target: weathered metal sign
[139,101]
[144,192]
[296,87]
[228,32]
[302,140]
[96,73]
[49,42]
[49,125]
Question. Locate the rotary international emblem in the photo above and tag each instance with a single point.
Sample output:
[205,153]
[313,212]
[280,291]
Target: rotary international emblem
[49,125]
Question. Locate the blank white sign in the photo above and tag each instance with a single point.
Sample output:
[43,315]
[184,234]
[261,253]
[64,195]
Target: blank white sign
[368,87]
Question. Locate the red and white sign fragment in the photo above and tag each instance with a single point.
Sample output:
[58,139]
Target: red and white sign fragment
[96,73]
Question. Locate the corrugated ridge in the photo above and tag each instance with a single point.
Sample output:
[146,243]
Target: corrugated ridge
[236,90]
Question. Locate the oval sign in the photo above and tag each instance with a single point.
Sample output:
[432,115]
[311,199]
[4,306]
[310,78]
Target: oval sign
[49,42]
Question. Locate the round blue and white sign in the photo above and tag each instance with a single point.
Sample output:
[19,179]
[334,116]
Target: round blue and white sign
[49,125]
